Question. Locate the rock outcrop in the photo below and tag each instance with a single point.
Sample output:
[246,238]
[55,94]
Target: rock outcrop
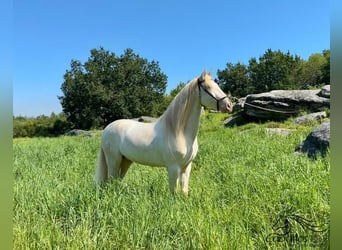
[317,141]
[281,104]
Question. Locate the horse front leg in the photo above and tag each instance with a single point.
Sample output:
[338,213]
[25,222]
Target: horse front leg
[184,179]
[173,172]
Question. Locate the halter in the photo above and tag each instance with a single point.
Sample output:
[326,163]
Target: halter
[199,82]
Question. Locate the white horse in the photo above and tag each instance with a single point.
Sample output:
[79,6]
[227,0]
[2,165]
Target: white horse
[171,141]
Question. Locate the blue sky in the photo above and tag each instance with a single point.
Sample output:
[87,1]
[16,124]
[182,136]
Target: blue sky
[185,37]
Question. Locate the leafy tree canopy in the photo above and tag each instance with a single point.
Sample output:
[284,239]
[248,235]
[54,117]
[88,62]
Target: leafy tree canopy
[234,79]
[177,89]
[109,87]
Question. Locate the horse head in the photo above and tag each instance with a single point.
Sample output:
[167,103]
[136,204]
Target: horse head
[211,95]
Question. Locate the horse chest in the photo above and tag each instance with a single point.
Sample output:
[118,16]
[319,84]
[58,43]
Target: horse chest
[185,151]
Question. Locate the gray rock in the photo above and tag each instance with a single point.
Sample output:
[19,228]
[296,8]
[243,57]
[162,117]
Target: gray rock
[281,104]
[325,91]
[77,132]
[239,105]
[317,141]
[310,117]
[278,131]
[145,119]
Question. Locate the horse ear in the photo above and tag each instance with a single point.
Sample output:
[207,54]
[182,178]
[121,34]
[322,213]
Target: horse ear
[203,74]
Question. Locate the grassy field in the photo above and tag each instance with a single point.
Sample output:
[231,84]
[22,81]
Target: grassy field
[248,190]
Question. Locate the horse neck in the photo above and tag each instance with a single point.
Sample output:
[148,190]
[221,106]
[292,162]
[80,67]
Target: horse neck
[183,116]
[192,121]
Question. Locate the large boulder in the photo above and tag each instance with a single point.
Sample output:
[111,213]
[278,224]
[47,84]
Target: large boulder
[281,104]
[317,141]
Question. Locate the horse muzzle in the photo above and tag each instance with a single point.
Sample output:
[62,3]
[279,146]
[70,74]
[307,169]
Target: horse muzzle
[226,106]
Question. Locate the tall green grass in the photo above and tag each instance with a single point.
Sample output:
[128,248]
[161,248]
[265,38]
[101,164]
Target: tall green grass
[248,190]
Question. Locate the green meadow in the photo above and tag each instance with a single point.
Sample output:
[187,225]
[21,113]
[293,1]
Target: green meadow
[248,190]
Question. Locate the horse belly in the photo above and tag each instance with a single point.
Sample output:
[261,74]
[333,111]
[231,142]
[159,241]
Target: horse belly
[142,154]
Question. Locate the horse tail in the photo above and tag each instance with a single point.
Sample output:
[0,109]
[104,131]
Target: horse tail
[101,172]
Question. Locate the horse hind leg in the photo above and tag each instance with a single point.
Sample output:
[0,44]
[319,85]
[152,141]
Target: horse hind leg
[113,162]
[124,166]
[101,172]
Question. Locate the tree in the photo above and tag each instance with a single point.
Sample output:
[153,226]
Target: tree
[234,79]
[325,78]
[53,125]
[274,70]
[177,89]
[312,71]
[109,87]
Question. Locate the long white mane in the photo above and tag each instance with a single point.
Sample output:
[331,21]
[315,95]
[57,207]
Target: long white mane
[177,113]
